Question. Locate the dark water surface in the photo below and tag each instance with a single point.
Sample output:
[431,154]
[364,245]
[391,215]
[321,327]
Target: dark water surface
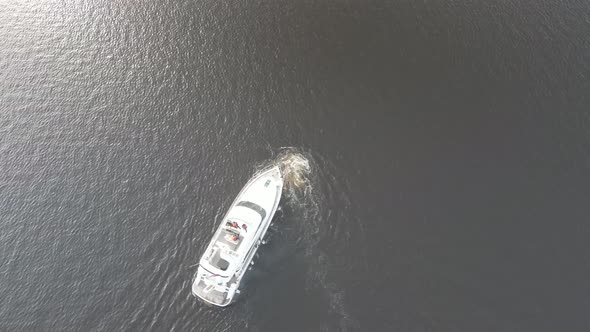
[449,143]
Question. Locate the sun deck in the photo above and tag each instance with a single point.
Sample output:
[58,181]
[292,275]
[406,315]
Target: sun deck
[230,238]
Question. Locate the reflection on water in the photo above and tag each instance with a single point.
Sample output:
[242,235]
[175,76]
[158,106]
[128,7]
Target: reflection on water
[440,138]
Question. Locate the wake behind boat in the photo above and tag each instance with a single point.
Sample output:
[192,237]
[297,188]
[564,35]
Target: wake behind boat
[236,240]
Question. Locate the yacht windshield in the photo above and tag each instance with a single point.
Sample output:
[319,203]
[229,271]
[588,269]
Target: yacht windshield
[253,206]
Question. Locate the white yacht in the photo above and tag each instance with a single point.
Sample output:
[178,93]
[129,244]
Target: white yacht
[236,240]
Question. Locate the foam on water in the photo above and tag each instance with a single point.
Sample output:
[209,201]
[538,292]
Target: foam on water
[296,170]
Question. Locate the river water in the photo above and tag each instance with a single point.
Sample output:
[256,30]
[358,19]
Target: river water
[447,144]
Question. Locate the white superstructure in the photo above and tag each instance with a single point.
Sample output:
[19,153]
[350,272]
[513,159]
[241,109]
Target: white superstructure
[235,242]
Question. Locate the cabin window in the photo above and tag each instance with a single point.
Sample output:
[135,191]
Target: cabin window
[253,206]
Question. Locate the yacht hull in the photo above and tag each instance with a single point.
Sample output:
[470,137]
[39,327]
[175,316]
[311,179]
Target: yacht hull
[237,239]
